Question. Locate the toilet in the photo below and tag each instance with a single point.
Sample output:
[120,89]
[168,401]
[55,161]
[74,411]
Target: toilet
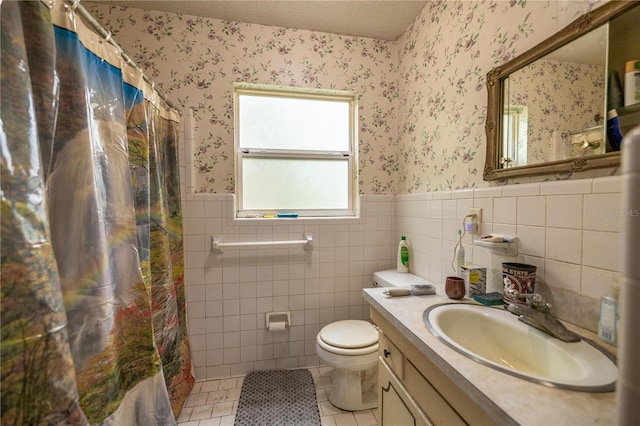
[351,348]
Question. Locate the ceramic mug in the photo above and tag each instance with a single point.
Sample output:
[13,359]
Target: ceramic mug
[454,287]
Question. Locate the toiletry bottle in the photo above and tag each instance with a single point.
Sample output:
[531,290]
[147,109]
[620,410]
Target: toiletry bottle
[615,98]
[614,136]
[459,255]
[615,101]
[608,325]
[632,83]
[403,255]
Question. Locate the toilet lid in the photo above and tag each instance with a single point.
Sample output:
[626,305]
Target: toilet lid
[349,334]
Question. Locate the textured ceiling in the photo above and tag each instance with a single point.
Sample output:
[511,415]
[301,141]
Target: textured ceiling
[379,19]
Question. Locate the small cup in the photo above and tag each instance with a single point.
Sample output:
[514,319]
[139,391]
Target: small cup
[454,287]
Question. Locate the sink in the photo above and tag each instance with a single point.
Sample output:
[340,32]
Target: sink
[494,337]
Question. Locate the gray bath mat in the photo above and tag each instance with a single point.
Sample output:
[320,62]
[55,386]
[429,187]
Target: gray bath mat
[278,397]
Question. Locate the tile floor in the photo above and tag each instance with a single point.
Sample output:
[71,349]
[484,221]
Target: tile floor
[214,403]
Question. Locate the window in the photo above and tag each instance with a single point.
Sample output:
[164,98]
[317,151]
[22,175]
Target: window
[514,146]
[295,151]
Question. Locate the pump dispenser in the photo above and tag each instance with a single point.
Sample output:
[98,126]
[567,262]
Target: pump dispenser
[609,323]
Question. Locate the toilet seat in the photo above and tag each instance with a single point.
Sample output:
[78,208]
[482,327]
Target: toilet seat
[348,337]
[351,348]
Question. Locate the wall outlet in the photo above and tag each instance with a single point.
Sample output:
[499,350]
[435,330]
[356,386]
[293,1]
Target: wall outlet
[473,225]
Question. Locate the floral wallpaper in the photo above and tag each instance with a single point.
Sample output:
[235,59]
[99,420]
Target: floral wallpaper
[444,57]
[423,97]
[196,60]
[563,97]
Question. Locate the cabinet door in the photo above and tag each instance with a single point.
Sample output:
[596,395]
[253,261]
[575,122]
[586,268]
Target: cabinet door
[393,357]
[428,399]
[394,403]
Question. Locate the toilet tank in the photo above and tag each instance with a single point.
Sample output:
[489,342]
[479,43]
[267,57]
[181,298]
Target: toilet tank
[393,278]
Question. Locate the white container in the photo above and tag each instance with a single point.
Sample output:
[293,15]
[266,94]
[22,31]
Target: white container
[403,256]
[459,256]
[632,83]
[475,279]
[459,260]
[609,323]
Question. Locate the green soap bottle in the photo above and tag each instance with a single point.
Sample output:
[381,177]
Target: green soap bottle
[403,255]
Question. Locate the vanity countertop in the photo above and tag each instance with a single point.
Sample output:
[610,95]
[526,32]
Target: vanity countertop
[506,399]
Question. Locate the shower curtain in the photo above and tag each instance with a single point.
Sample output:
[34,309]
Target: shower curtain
[92,299]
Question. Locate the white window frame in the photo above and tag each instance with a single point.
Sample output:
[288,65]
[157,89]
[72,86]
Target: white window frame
[351,154]
[514,146]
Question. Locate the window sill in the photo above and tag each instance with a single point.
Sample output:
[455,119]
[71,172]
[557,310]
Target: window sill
[308,220]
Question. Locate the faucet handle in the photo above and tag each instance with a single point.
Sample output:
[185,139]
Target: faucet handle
[533,300]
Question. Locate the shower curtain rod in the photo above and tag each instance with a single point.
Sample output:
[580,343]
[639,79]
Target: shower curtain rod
[75,6]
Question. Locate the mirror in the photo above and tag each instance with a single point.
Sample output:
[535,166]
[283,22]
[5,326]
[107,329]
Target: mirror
[547,109]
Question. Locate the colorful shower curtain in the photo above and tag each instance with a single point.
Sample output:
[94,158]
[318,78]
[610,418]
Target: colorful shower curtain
[92,301]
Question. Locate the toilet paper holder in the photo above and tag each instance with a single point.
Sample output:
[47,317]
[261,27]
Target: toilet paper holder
[277,321]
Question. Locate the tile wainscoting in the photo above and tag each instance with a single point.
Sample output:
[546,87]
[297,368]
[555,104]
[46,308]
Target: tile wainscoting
[228,294]
[569,229]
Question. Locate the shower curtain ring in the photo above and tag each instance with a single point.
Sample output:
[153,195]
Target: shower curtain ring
[107,37]
[75,5]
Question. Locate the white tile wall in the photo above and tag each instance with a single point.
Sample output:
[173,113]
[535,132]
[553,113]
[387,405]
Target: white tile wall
[564,211]
[600,212]
[564,245]
[531,211]
[504,210]
[531,240]
[570,230]
[565,187]
[228,294]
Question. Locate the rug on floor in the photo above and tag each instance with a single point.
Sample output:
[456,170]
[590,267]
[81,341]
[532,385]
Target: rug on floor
[278,397]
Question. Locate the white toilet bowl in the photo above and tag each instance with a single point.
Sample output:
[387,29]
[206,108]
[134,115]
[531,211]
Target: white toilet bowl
[351,348]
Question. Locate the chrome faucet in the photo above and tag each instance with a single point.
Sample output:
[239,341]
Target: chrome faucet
[537,314]
[533,299]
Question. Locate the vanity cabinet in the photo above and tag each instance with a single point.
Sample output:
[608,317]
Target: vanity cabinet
[412,390]
[395,405]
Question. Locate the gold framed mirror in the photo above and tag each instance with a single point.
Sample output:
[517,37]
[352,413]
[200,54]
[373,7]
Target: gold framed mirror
[526,137]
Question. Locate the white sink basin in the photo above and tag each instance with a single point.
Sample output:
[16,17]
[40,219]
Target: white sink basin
[494,337]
